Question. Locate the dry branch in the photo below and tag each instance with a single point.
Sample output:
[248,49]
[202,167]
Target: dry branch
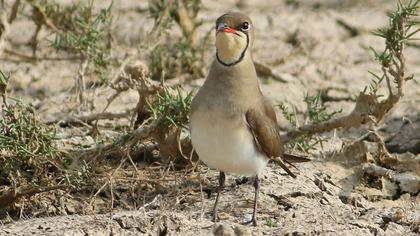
[31,58]
[14,11]
[408,182]
[122,143]
[325,97]
[367,109]
[353,31]
[90,118]
[359,116]
[135,75]
[12,195]
[80,83]
[40,18]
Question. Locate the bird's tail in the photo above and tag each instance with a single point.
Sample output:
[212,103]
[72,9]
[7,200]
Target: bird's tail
[289,159]
[280,162]
[294,159]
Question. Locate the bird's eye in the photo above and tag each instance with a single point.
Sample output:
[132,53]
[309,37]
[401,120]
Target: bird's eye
[245,26]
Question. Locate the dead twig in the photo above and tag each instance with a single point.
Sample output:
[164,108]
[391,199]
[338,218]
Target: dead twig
[5,23]
[13,13]
[27,58]
[325,97]
[131,160]
[384,158]
[359,116]
[88,119]
[4,80]
[135,75]
[109,183]
[40,18]
[80,81]
[121,143]
[12,195]
[353,31]
[408,182]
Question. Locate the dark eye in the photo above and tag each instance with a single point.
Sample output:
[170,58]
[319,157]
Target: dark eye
[245,26]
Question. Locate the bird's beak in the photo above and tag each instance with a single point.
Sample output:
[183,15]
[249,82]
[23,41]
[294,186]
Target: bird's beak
[224,28]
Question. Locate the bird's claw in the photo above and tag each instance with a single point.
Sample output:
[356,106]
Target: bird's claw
[253,221]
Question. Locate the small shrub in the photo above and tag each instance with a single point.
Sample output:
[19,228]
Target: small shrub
[316,113]
[27,147]
[173,108]
[82,32]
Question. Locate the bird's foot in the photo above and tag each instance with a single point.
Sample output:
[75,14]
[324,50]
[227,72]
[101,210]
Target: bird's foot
[215,217]
[253,221]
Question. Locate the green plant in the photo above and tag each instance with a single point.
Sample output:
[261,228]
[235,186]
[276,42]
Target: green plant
[160,63]
[289,116]
[270,223]
[157,8]
[316,110]
[82,32]
[316,113]
[374,85]
[399,31]
[27,146]
[77,177]
[173,108]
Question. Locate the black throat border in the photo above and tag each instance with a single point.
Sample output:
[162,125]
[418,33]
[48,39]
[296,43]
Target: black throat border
[241,57]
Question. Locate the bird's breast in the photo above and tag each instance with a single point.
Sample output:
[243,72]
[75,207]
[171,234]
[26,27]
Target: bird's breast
[222,140]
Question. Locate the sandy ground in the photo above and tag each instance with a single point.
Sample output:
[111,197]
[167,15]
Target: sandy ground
[330,195]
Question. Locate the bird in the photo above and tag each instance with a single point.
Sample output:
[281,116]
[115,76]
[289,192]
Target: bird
[233,126]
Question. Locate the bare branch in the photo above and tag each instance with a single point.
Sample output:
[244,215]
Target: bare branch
[407,182]
[80,84]
[90,118]
[121,143]
[12,195]
[13,13]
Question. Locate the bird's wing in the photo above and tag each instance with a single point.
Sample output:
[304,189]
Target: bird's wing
[267,139]
[288,158]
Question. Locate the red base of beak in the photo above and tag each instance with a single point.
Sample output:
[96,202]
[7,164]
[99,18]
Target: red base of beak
[229,30]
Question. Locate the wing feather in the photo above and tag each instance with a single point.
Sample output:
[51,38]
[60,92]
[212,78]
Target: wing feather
[267,139]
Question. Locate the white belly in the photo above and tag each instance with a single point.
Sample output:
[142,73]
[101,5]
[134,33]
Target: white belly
[226,145]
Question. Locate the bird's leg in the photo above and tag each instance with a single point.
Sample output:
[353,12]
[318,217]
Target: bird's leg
[257,190]
[254,213]
[219,189]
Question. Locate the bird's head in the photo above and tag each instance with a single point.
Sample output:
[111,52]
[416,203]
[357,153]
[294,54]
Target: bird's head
[234,37]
